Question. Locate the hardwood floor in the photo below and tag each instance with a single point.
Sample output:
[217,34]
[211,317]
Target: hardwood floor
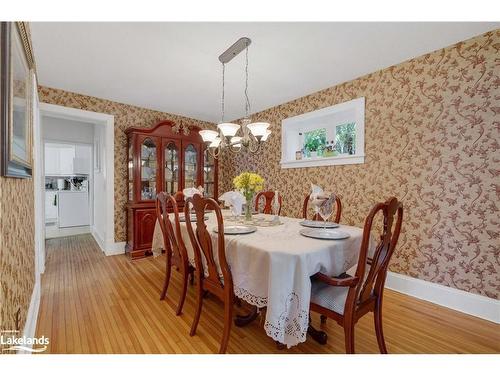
[97,304]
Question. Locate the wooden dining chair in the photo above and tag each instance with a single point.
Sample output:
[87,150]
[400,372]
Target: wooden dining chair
[268,201]
[215,277]
[338,209]
[174,245]
[348,298]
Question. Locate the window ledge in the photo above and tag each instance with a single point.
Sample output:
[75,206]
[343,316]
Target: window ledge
[323,161]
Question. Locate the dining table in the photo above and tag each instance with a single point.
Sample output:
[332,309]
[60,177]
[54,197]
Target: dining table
[272,267]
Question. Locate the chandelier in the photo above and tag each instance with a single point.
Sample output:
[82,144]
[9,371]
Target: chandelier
[252,134]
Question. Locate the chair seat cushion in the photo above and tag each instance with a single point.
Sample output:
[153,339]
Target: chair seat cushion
[330,297]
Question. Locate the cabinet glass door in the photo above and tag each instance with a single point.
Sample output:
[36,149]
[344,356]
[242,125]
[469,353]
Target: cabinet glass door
[209,174]
[171,173]
[190,166]
[130,170]
[148,169]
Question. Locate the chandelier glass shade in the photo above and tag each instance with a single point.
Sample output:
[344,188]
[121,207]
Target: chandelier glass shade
[208,135]
[258,129]
[215,143]
[267,134]
[228,129]
[236,141]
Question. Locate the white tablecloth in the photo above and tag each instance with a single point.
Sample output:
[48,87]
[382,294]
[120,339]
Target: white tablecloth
[272,267]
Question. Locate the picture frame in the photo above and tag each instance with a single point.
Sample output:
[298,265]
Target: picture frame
[16,100]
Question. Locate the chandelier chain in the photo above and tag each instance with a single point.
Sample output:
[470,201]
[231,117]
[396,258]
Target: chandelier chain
[249,141]
[222,97]
[247,101]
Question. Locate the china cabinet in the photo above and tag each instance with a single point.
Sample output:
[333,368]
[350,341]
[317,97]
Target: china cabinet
[167,157]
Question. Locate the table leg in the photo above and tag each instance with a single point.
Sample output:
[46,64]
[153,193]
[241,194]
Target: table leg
[243,320]
[318,336]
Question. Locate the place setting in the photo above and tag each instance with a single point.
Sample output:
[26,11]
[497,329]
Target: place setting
[237,229]
[323,205]
[242,210]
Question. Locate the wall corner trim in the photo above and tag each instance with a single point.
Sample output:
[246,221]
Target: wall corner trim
[113,248]
[98,239]
[466,302]
[32,316]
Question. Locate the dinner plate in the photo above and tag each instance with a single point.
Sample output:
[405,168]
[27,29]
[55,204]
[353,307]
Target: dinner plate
[318,224]
[182,218]
[322,234]
[237,229]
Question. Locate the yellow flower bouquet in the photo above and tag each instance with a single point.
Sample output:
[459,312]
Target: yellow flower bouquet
[248,184]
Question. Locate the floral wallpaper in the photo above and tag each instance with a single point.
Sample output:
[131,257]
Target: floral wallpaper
[125,117]
[17,246]
[432,131]
[17,250]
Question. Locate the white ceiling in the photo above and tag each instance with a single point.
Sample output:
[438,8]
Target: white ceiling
[174,67]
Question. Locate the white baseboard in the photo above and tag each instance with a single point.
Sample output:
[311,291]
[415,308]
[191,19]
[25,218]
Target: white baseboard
[115,248]
[469,303]
[98,239]
[32,316]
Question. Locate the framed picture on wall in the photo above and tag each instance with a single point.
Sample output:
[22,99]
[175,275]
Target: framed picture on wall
[16,100]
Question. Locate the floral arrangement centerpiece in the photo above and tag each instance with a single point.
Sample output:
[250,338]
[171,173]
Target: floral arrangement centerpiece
[248,184]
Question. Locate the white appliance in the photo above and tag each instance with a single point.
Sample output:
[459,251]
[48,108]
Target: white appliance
[73,208]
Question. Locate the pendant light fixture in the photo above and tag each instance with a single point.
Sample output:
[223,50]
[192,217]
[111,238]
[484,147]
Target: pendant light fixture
[252,133]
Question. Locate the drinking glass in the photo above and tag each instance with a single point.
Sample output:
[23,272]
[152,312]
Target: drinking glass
[326,209]
[234,214]
[276,204]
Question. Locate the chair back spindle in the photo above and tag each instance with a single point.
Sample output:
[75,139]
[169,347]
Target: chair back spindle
[203,247]
[174,245]
[171,232]
[268,201]
[372,283]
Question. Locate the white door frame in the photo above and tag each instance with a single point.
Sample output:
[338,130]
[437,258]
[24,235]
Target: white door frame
[109,246]
[38,178]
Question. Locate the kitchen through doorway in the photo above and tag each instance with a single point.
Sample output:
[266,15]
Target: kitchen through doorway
[75,192]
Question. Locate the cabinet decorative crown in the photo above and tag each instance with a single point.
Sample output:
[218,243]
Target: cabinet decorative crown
[178,127]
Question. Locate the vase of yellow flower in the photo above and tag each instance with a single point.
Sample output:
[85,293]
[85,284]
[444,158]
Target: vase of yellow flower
[248,184]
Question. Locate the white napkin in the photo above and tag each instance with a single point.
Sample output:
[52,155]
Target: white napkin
[235,200]
[317,196]
[189,192]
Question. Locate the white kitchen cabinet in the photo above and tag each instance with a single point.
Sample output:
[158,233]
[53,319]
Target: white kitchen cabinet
[66,156]
[67,159]
[51,160]
[81,162]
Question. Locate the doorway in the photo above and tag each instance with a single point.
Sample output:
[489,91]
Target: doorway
[76,147]
[69,173]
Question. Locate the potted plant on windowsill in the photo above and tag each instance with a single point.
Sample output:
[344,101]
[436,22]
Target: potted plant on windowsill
[313,143]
